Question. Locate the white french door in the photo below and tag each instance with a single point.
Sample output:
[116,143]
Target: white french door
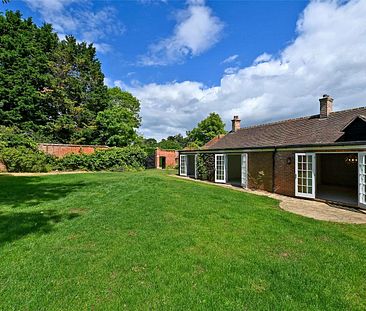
[183,165]
[244,170]
[195,166]
[362,179]
[305,168]
[220,168]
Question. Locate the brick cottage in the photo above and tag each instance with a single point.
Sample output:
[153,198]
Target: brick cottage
[318,157]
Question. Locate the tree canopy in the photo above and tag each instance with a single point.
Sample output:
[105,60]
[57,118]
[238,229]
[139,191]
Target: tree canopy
[54,89]
[206,130]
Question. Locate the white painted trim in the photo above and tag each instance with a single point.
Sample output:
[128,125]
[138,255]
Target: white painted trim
[361,202]
[181,172]
[224,167]
[313,172]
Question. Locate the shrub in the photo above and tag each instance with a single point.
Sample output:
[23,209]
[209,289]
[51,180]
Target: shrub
[115,159]
[23,159]
[12,137]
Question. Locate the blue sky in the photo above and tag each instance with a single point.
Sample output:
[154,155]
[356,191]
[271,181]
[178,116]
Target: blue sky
[263,60]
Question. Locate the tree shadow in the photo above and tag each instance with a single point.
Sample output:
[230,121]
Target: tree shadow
[14,226]
[27,191]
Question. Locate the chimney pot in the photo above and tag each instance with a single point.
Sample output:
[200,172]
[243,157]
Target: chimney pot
[235,124]
[326,106]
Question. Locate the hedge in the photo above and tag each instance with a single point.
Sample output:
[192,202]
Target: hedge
[114,159]
[23,159]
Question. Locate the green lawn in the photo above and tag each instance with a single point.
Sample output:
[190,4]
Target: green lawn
[145,240]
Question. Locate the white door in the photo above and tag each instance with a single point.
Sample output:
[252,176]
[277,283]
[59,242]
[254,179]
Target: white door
[220,168]
[183,165]
[305,175]
[362,179]
[195,166]
[244,170]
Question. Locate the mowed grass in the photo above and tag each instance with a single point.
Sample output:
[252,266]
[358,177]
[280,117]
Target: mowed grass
[149,241]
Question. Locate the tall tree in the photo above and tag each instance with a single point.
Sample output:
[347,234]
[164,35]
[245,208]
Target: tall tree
[206,130]
[24,73]
[175,142]
[118,97]
[117,125]
[78,92]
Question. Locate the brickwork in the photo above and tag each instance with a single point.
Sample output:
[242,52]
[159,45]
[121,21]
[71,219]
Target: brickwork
[171,157]
[2,167]
[284,182]
[260,170]
[60,150]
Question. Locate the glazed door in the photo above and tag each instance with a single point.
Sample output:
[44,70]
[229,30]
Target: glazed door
[220,168]
[183,165]
[244,170]
[362,179]
[305,175]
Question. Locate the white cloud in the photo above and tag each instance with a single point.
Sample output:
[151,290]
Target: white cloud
[328,56]
[230,59]
[196,31]
[263,58]
[78,18]
[231,70]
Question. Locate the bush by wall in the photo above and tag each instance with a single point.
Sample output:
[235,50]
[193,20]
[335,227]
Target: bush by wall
[115,159]
[23,159]
[20,153]
[206,166]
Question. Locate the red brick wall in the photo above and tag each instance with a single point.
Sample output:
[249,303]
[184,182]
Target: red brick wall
[285,173]
[260,170]
[2,167]
[60,150]
[171,157]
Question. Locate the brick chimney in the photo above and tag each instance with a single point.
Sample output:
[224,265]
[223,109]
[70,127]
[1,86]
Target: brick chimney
[235,124]
[326,106]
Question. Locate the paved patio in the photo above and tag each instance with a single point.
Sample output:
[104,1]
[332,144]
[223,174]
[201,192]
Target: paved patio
[308,208]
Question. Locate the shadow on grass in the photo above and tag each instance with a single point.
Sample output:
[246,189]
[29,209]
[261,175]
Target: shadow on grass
[26,191]
[14,226]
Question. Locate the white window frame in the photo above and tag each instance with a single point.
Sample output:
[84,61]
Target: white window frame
[313,171]
[244,170]
[224,167]
[361,179]
[183,170]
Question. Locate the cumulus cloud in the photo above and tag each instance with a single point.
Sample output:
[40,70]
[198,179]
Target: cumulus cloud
[196,31]
[327,56]
[263,58]
[78,18]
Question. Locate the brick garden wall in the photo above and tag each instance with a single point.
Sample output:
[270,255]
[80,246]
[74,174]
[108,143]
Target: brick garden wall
[284,182]
[260,170]
[2,167]
[171,157]
[60,150]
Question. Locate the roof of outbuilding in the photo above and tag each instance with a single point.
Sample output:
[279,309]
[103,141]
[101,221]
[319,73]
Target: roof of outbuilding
[300,131]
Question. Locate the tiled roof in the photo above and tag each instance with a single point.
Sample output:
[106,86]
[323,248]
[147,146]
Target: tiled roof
[301,131]
[213,141]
